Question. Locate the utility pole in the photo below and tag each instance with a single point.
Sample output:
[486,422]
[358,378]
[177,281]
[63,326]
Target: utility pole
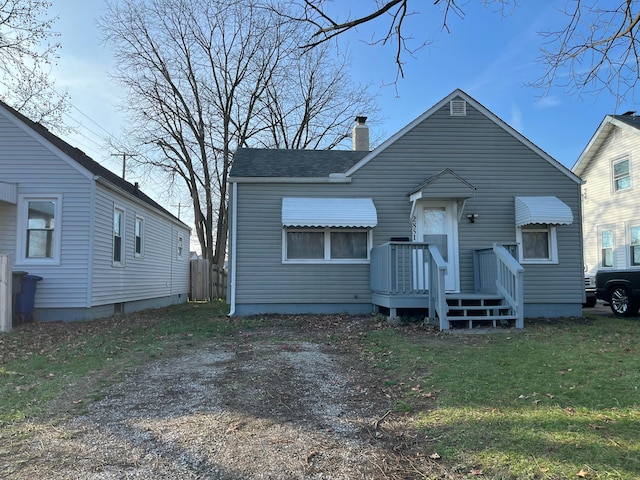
[178,209]
[124,161]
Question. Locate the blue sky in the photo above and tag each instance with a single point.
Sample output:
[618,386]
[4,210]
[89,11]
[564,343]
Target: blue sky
[489,56]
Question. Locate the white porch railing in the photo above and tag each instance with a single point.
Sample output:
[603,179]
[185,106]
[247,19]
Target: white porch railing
[510,282]
[437,292]
[412,276]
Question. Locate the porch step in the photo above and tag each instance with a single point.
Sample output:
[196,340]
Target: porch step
[478,310]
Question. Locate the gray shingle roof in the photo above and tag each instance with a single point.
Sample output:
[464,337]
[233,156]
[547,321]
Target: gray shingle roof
[631,120]
[286,163]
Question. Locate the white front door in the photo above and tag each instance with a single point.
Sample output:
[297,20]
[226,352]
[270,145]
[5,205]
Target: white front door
[438,224]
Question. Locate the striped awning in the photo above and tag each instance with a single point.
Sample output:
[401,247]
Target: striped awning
[328,212]
[546,210]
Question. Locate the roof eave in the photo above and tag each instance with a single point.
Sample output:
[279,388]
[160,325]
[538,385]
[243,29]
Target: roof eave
[330,179]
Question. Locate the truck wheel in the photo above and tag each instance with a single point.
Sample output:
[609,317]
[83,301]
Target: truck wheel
[621,301]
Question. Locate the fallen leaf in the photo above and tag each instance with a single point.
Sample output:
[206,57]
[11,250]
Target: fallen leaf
[477,471]
[582,473]
[434,456]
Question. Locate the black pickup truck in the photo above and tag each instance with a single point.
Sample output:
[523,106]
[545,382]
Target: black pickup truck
[621,289]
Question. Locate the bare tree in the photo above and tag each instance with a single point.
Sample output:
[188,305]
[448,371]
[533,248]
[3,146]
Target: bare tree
[312,104]
[207,77]
[596,51]
[27,48]
[393,14]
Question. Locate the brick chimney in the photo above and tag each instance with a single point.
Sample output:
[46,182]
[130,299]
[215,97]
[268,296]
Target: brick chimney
[361,134]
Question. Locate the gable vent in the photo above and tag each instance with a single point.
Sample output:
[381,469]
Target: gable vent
[458,108]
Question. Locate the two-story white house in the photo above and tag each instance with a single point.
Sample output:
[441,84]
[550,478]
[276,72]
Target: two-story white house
[610,167]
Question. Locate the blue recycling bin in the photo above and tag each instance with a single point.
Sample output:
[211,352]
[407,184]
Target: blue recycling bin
[25,300]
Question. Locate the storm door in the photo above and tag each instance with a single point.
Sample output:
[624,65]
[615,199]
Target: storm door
[438,225]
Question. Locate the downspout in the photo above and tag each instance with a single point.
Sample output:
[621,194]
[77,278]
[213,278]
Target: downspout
[232,263]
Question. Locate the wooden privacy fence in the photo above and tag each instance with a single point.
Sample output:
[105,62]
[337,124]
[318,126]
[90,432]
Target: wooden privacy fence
[208,282]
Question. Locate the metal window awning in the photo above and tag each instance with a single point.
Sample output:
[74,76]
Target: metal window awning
[328,212]
[545,210]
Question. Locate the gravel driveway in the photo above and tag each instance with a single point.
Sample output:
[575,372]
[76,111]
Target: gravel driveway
[260,405]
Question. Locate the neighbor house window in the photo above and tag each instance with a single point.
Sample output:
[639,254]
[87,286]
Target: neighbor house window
[39,232]
[139,237]
[118,229]
[326,244]
[634,245]
[606,247]
[538,243]
[179,247]
[621,175]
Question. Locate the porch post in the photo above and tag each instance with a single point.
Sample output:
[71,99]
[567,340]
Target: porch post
[6,312]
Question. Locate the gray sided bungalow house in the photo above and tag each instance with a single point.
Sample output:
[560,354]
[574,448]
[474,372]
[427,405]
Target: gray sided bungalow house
[457,214]
[100,245]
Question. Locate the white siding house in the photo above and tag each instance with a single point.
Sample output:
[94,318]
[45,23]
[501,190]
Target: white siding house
[100,244]
[457,215]
[610,167]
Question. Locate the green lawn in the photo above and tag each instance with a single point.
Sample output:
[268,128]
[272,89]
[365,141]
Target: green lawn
[559,400]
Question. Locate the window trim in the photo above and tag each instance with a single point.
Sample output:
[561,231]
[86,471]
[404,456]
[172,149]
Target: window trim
[179,247]
[614,162]
[600,230]
[553,245]
[138,220]
[123,223]
[327,246]
[631,224]
[23,223]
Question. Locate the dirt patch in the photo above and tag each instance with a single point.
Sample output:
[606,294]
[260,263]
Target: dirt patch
[287,402]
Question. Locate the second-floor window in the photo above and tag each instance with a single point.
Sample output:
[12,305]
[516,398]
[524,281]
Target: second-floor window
[621,175]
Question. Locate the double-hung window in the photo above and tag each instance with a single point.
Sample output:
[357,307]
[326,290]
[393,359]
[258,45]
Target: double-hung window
[118,235]
[39,229]
[179,247]
[139,237]
[621,174]
[326,244]
[634,245]
[607,243]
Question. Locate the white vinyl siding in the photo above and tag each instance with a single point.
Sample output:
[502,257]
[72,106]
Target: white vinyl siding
[158,273]
[83,277]
[38,173]
[603,207]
